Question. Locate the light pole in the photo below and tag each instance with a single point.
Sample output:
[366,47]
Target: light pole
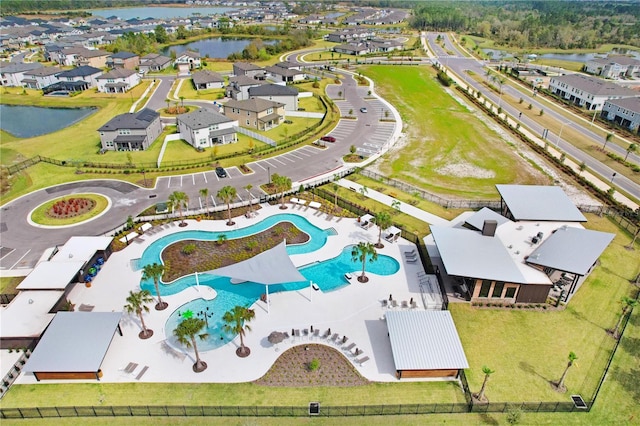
[613,176]
[269,174]
[560,133]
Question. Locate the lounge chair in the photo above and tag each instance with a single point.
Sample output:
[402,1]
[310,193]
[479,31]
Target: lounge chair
[316,333]
[414,305]
[349,348]
[408,252]
[405,304]
[412,260]
[326,334]
[394,303]
[384,303]
[357,352]
[348,276]
[362,360]
[141,373]
[130,367]
[334,337]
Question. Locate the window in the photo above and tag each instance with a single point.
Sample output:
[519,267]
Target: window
[497,289]
[213,127]
[511,292]
[109,144]
[248,113]
[247,122]
[269,110]
[484,290]
[124,132]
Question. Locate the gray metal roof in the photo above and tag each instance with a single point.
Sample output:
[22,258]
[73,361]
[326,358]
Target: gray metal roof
[131,120]
[571,249]
[594,85]
[82,71]
[468,253]
[544,203]
[253,105]
[44,71]
[74,341]
[246,66]
[477,219]
[116,73]
[272,90]
[631,104]
[203,117]
[14,67]
[425,340]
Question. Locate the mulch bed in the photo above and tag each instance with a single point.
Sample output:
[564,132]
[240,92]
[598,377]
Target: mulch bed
[291,369]
[210,255]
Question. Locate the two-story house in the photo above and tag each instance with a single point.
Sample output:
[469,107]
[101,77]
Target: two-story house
[131,131]
[40,78]
[586,91]
[277,92]
[204,128]
[126,60]
[255,113]
[188,61]
[119,80]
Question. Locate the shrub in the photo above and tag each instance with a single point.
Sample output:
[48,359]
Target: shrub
[189,249]
[314,364]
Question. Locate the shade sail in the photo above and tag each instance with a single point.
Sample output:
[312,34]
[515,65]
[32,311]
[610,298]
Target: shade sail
[269,267]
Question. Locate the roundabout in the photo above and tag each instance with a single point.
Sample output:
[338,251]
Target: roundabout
[69,211]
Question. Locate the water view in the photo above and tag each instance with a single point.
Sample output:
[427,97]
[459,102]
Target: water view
[158,12]
[573,57]
[217,47]
[29,121]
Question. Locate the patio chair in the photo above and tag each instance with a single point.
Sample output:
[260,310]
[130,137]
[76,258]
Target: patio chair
[357,352]
[414,305]
[350,347]
[394,303]
[334,337]
[362,360]
[384,303]
[405,304]
[316,333]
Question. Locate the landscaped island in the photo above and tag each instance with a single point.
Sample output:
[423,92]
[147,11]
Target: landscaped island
[187,256]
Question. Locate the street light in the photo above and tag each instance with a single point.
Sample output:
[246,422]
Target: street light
[560,133]
[613,176]
[269,173]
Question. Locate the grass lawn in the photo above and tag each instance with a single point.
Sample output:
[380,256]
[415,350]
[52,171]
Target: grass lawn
[8,284]
[567,65]
[449,149]
[311,104]
[527,349]
[285,130]
[189,92]
[180,150]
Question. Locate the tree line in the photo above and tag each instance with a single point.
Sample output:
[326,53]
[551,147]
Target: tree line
[536,24]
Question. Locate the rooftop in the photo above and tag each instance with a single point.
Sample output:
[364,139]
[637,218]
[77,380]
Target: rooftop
[539,202]
[594,85]
[82,71]
[272,90]
[202,118]
[117,73]
[253,105]
[131,120]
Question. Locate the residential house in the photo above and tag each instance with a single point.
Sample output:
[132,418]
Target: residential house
[624,112]
[280,73]
[206,79]
[126,60]
[586,91]
[187,61]
[350,35]
[238,87]
[78,55]
[249,70]
[536,249]
[93,58]
[40,78]
[276,92]
[614,66]
[204,128]
[13,73]
[118,80]
[85,76]
[131,131]
[154,62]
[255,113]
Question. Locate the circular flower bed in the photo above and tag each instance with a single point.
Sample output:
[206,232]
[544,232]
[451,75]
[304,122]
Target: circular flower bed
[70,207]
[292,368]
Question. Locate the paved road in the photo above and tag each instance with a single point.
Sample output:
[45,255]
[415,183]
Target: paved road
[23,244]
[459,64]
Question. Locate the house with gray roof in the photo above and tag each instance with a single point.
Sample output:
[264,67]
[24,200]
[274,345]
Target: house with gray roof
[238,87]
[153,62]
[586,91]
[12,74]
[537,249]
[248,69]
[84,74]
[126,60]
[187,61]
[278,93]
[206,79]
[285,74]
[118,80]
[255,113]
[40,78]
[133,131]
[614,66]
[205,128]
[624,112]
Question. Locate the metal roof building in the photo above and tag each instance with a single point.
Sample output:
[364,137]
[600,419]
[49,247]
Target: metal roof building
[425,344]
[538,202]
[74,345]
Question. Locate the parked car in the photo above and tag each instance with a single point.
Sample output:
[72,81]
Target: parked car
[363,110]
[222,173]
[328,139]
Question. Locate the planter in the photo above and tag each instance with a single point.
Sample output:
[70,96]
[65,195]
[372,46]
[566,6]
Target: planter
[87,284]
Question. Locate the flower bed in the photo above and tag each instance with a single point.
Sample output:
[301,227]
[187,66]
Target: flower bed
[70,207]
[209,255]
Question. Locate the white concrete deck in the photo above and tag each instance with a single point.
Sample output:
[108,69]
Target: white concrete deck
[355,311]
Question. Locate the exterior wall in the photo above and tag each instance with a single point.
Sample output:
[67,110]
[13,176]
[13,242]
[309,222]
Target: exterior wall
[624,117]
[12,79]
[210,85]
[46,81]
[290,102]
[579,97]
[593,67]
[152,132]
[533,293]
[200,138]
[128,64]
[408,374]
[501,295]
[71,375]
[131,81]
[96,62]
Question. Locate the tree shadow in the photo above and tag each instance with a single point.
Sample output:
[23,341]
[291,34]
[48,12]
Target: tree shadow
[628,380]
[582,317]
[631,345]
[528,368]
[488,420]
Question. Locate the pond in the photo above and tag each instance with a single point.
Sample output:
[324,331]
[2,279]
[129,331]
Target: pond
[216,47]
[29,121]
[573,57]
[158,12]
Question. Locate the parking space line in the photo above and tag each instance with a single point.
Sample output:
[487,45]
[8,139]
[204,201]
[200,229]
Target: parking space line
[193,178]
[285,156]
[169,182]
[23,256]
[213,200]
[281,162]
[12,250]
[204,175]
[272,165]
[293,155]
[181,180]
[200,201]
[257,163]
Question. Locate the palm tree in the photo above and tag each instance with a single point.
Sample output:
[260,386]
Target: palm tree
[227,194]
[283,184]
[582,167]
[360,253]
[204,193]
[572,358]
[154,271]
[179,200]
[607,139]
[335,187]
[631,148]
[137,304]
[186,333]
[168,101]
[383,221]
[248,188]
[235,320]
[182,101]
[627,303]
[487,372]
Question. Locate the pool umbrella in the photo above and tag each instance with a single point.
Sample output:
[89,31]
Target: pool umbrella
[275,337]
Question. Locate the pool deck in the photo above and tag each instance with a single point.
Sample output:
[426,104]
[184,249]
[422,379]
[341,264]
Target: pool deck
[354,310]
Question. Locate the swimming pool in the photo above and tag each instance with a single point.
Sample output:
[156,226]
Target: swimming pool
[328,275]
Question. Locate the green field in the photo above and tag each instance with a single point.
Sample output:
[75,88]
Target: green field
[449,150]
